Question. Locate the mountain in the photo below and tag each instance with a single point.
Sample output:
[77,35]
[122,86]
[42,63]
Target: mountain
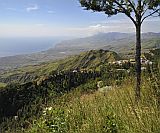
[114,39]
[86,60]
[93,42]
[66,100]
[48,81]
[123,43]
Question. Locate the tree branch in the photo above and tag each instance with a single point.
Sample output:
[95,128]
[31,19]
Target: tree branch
[125,11]
[150,15]
[132,6]
[144,12]
[143,6]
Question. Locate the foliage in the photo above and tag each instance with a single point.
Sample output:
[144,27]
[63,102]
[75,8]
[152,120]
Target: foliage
[55,121]
[2,84]
[111,112]
[69,101]
[137,12]
[127,7]
[86,60]
[27,100]
[110,125]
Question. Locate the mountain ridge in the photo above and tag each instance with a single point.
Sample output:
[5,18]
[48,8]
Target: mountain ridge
[86,60]
[114,41]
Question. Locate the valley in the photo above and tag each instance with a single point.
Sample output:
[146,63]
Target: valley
[91,59]
[122,43]
[37,94]
[80,66]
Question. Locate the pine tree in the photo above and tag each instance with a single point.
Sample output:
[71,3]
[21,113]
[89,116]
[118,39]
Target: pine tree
[137,11]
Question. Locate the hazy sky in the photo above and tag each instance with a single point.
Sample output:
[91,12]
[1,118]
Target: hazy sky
[60,18]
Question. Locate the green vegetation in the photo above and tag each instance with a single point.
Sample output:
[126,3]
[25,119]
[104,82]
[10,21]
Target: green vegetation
[89,60]
[136,11]
[98,112]
[2,84]
[103,112]
[121,43]
[71,100]
[17,96]
[129,50]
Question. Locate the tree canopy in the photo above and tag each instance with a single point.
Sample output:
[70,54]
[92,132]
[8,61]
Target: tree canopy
[137,11]
[134,9]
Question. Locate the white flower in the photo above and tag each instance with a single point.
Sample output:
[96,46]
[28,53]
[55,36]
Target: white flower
[49,108]
[15,117]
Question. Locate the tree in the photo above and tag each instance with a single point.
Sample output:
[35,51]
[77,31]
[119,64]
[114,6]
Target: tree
[137,11]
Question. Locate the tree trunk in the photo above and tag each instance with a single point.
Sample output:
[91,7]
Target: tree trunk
[138,62]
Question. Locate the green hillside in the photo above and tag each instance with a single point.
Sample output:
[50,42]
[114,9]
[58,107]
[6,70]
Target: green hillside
[98,97]
[121,43]
[127,49]
[86,60]
[2,84]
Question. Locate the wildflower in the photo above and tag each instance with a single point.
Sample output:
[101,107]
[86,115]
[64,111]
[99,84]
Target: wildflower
[50,108]
[15,117]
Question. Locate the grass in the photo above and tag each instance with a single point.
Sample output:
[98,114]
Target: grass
[85,110]
[2,84]
[111,112]
[72,62]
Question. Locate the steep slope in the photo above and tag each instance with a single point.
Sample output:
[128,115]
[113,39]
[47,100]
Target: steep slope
[113,40]
[96,41]
[50,102]
[86,60]
[128,48]
[123,43]
[60,79]
[89,60]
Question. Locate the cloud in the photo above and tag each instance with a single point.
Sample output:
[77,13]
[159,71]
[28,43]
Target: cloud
[32,8]
[41,29]
[51,12]
[97,26]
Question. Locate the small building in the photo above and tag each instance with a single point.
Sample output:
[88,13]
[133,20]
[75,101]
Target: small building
[132,61]
[119,62]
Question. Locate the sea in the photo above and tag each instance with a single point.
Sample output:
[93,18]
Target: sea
[25,45]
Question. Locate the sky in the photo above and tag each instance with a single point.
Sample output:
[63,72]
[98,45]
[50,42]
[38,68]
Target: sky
[36,18]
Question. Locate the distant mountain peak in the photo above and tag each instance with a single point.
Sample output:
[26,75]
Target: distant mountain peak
[115,41]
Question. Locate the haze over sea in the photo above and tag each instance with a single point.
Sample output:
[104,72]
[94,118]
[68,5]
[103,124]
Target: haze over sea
[26,45]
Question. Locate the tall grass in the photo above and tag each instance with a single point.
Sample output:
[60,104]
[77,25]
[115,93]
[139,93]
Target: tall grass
[2,85]
[113,111]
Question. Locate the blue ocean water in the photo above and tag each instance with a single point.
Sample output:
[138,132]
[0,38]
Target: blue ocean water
[16,46]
